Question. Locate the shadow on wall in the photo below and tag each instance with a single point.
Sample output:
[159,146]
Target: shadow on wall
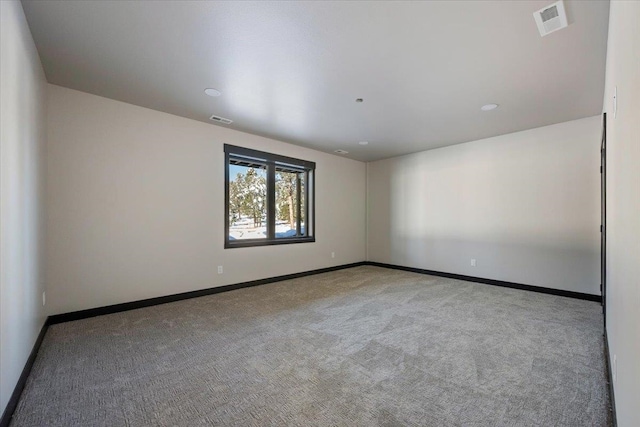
[568,268]
[525,212]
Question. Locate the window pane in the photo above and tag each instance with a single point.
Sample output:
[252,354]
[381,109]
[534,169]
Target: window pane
[303,230]
[289,212]
[247,202]
[269,198]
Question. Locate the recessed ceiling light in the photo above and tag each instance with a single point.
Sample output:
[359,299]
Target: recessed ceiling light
[489,107]
[341,152]
[359,100]
[363,142]
[212,92]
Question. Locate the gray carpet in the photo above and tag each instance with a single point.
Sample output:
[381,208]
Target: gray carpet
[366,346]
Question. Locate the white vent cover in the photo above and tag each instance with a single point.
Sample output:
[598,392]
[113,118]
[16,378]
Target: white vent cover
[341,152]
[551,18]
[221,120]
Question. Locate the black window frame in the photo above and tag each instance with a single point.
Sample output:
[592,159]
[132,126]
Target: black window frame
[272,163]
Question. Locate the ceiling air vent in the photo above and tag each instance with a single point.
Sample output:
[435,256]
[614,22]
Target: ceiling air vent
[221,120]
[341,152]
[551,18]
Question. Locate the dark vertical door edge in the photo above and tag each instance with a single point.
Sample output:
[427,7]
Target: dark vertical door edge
[603,217]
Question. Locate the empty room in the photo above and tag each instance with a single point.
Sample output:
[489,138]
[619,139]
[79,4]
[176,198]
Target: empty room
[320,213]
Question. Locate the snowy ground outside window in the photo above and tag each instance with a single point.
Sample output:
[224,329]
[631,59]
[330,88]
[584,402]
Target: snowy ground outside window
[244,229]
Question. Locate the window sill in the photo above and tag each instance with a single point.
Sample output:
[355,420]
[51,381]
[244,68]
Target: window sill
[264,242]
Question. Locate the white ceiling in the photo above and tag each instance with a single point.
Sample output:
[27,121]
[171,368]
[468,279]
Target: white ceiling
[292,70]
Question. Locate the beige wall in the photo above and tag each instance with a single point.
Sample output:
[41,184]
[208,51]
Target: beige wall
[22,124]
[623,207]
[136,206]
[524,205]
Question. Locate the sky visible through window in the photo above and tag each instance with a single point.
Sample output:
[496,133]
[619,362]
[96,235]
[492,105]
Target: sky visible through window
[234,170]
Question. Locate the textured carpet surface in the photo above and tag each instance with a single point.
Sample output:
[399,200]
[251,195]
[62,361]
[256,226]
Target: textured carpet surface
[365,346]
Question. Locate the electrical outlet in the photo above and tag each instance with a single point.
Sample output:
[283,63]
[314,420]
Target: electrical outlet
[473,262]
[44,298]
[333,254]
[220,269]
[615,368]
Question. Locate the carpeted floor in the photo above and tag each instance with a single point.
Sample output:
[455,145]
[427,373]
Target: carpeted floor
[365,346]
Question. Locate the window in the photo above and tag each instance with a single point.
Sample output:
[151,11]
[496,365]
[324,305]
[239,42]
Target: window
[269,199]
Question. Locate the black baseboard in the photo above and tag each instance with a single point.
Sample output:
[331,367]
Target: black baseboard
[22,380]
[84,314]
[559,292]
[99,311]
[116,308]
[612,396]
